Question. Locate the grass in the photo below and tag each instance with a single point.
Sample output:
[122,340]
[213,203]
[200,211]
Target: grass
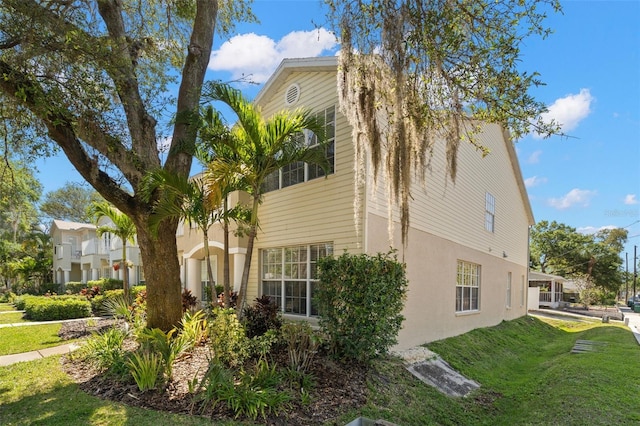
[6,307]
[15,340]
[528,377]
[11,317]
[39,393]
[527,373]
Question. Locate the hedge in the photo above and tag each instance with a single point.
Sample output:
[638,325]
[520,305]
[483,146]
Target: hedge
[56,308]
[106,284]
[74,287]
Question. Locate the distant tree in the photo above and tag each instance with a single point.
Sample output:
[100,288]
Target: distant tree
[71,202]
[412,72]
[19,193]
[559,249]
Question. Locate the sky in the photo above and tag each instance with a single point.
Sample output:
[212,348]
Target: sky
[589,180]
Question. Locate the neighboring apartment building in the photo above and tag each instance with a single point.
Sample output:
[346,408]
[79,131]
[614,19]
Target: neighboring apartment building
[467,252]
[80,255]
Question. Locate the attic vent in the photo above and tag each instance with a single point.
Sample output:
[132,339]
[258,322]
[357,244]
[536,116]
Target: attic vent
[292,95]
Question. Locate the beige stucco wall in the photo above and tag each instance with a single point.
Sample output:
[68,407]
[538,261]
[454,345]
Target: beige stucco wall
[431,271]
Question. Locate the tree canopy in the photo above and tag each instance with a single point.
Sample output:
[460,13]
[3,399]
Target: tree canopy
[559,249]
[413,72]
[100,79]
[71,202]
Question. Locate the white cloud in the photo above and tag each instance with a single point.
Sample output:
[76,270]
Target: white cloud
[593,229]
[569,111]
[534,181]
[630,199]
[580,197]
[534,158]
[258,55]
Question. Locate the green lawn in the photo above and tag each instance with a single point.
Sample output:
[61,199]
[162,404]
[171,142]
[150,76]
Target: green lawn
[15,340]
[11,318]
[527,373]
[528,377]
[6,307]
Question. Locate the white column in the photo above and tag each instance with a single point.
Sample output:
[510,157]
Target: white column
[193,277]
[66,276]
[95,274]
[238,266]
[85,274]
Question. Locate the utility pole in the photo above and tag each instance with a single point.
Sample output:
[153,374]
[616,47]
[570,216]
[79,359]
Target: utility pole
[626,277]
[635,272]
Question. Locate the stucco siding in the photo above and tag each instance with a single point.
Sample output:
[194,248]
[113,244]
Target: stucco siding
[430,307]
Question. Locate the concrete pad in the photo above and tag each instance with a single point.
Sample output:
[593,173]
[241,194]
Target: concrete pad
[439,374]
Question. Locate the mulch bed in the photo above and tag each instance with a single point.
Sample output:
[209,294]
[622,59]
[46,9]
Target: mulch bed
[336,388]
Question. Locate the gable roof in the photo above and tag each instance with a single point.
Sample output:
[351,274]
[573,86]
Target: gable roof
[540,276]
[330,63]
[64,225]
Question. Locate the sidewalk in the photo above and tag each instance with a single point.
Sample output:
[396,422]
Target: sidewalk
[33,355]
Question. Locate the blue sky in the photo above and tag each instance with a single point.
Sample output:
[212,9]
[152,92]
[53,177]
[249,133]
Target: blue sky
[591,67]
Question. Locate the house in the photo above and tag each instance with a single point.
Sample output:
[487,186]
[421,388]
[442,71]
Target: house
[80,255]
[545,290]
[467,251]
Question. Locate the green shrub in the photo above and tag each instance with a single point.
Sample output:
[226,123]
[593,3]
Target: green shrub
[74,287]
[106,284]
[262,316]
[360,298]
[20,301]
[56,308]
[137,289]
[227,337]
[193,328]
[51,288]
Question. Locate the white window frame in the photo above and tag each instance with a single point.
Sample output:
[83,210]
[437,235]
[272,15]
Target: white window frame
[489,212]
[290,274]
[311,140]
[468,278]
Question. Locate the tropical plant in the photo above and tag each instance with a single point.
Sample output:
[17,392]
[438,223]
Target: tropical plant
[121,226]
[257,147]
[106,351]
[302,345]
[262,316]
[146,368]
[169,347]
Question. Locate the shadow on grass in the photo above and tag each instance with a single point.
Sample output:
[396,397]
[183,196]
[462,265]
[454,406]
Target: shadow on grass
[40,393]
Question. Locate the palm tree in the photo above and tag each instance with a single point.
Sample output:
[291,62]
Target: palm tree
[258,147]
[121,226]
[198,201]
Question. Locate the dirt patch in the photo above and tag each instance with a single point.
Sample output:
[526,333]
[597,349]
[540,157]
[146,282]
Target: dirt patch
[336,387]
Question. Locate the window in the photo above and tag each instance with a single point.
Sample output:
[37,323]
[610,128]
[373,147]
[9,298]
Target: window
[204,276]
[289,276]
[489,212]
[467,287]
[508,289]
[302,172]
